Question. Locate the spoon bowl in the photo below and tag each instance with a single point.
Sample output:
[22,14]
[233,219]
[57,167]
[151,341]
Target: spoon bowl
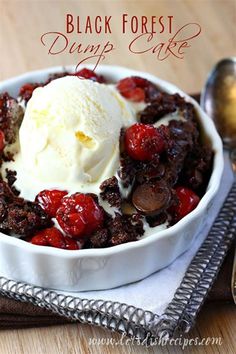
[218,99]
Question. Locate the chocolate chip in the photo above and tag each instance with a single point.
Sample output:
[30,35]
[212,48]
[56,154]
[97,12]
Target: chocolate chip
[151,199]
[127,208]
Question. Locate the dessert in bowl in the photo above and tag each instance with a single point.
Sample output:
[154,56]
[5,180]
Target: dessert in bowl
[98,172]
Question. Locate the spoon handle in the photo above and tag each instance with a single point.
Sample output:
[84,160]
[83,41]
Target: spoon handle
[233,280]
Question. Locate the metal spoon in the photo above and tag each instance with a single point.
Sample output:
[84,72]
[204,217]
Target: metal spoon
[218,99]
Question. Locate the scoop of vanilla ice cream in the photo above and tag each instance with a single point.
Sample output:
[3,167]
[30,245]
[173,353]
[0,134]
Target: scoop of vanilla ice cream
[70,132]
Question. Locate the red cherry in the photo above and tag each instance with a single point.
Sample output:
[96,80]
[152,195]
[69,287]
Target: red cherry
[2,140]
[89,74]
[129,89]
[187,201]
[39,239]
[71,244]
[71,222]
[79,215]
[50,200]
[143,142]
[137,89]
[26,91]
[54,238]
[49,237]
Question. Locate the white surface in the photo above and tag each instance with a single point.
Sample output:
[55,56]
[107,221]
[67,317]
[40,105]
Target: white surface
[93,269]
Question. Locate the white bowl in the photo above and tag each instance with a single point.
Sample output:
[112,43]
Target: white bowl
[93,269]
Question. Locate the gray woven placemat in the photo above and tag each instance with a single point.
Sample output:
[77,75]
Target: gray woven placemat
[179,315]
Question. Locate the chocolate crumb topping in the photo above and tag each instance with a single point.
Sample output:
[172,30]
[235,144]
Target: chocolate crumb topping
[11,115]
[163,104]
[11,178]
[157,220]
[125,228]
[110,192]
[99,239]
[19,216]
[117,230]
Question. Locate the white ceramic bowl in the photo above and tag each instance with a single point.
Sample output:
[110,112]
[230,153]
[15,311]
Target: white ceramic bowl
[93,269]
